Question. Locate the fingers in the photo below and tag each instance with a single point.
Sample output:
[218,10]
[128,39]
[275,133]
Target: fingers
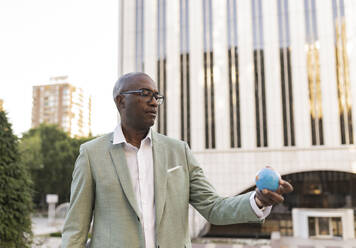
[284,187]
[268,198]
[264,200]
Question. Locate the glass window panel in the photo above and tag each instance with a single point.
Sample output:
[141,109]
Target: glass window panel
[314,22]
[287,22]
[307,21]
[235,139]
[342,73]
[261,121]
[161,64]
[336,226]
[184,71]
[311,225]
[208,74]
[324,228]
[139,53]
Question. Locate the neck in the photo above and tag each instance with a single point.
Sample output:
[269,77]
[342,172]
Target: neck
[133,136]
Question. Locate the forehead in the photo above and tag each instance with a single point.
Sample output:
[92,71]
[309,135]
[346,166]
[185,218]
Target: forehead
[139,82]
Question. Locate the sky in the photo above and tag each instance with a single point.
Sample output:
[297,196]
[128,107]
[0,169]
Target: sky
[40,39]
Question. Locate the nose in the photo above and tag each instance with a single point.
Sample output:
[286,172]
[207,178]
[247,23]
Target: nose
[153,101]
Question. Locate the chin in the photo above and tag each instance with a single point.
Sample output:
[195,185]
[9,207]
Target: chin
[151,123]
[147,125]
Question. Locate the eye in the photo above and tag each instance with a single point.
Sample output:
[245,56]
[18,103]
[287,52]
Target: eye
[146,92]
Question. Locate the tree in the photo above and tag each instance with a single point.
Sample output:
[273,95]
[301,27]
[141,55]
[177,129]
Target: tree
[50,155]
[15,191]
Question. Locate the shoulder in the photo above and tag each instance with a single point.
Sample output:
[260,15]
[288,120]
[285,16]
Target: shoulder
[167,141]
[98,143]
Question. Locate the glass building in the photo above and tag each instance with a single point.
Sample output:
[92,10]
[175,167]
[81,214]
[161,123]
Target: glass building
[250,83]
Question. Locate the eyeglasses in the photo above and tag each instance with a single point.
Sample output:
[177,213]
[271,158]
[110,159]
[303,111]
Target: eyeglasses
[146,93]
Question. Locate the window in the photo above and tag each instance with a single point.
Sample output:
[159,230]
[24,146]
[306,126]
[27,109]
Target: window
[325,227]
[209,109]
[286,73]
[342,72]
[184,70]
[313,70]
[234,91]
[286,227]
[259,74]
[139,51]
[161,64]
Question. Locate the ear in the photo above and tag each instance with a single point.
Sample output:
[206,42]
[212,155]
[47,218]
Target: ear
[120,102]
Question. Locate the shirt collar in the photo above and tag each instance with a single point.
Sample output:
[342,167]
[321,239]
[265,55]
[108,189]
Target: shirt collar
[119,136]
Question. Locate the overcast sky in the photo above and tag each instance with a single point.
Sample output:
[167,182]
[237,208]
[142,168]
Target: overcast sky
[40,39]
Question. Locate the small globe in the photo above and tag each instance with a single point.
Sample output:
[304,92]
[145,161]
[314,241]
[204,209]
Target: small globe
[267,179]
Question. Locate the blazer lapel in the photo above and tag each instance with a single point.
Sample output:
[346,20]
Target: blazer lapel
[160,176]
[119,162]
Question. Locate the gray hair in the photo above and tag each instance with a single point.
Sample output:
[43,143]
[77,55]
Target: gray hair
[122,80]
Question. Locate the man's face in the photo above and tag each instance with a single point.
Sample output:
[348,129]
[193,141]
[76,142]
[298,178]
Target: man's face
[138,111]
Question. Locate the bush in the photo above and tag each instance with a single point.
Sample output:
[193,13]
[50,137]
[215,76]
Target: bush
[56,235]
[49,154]
[15,192]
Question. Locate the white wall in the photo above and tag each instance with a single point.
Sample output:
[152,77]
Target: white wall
[173,70]
[220,48]
[300,220]
[350,10]
[299,74]
[272,74]
[236,170]
[196,75]
[129,36]
[232,170]
[245,51]
[328,83]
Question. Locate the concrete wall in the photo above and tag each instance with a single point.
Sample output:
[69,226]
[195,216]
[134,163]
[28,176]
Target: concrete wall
[233,170]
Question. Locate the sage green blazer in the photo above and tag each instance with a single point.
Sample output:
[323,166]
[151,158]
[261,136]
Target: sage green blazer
[102,190]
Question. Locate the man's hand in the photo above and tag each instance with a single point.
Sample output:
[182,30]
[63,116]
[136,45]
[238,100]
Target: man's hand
[266,197]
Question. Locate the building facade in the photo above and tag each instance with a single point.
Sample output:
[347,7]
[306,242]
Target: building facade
[62,104]
[250,83]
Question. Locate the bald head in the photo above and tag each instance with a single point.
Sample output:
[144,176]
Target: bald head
[123,83]
[137,111]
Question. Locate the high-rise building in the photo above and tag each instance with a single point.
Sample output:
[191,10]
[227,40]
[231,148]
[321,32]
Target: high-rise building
[62,104]
[250,83]
[1,105]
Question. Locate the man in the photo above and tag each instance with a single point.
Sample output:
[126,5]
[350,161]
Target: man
[137,184]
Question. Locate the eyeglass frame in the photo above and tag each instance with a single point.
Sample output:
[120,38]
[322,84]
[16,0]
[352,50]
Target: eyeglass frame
[159,98]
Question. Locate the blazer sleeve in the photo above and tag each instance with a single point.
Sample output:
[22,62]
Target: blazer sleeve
[79,215]
[217,210]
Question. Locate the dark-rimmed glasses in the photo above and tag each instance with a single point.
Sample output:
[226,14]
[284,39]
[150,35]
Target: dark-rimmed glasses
[146,93]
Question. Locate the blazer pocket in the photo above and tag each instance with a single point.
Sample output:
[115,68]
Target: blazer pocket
[174,168]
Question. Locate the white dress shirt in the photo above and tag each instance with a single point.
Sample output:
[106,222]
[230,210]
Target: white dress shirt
[140,165]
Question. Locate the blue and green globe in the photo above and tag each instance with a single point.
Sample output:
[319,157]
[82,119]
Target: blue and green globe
[267,178]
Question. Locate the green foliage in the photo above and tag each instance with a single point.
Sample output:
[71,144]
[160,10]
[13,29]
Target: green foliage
[50,155]
[56,235]
[15,192]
